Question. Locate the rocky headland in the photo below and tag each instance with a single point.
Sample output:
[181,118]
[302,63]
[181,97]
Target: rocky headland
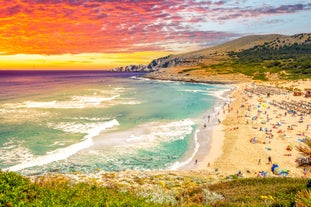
[257,57]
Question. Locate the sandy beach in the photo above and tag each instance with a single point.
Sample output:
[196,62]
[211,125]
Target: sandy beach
[255,126]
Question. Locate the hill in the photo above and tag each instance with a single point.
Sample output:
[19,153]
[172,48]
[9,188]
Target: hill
[264,57]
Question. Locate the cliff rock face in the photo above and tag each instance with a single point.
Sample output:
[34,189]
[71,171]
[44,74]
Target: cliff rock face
[132,68]
[175,61]
[163,62]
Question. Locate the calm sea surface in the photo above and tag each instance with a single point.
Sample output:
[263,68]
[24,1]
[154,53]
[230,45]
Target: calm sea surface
[86,121]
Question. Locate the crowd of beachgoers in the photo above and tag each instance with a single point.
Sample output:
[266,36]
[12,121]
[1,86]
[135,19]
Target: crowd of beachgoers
[259,133]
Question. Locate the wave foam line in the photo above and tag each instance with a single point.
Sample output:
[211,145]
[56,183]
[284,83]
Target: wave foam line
[220,94]
[66,152]
[140,78]
[178,165]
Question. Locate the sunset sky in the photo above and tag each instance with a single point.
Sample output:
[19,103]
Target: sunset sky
[101,34]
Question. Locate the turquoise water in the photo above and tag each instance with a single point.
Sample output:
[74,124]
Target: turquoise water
[90,120]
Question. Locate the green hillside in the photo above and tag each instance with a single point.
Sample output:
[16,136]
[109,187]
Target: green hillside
[288,61]
[263,57]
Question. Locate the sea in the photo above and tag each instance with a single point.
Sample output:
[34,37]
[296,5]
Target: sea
[89,121]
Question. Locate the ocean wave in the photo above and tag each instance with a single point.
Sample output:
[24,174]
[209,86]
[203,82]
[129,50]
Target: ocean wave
[92,100]
[163,133]
[85,128]
[76,102]
[220,94]
[91,118]
[11,115]
[13,152]
[130,149]
[143,137]
[195,91]
[91,130]
[139,78]
[178,165]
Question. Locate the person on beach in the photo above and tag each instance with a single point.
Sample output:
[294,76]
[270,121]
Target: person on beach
[269,160]
[196,162]
[259,161]
[305,172]
[209,118]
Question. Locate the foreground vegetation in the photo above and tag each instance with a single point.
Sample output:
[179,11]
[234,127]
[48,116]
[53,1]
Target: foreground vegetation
[16,190]
[263,192]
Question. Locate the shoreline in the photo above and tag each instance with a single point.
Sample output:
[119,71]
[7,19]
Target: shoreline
[231,150]
[209,128]
[225,148]
[176,77]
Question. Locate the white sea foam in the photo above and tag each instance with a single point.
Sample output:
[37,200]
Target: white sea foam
[11,115]
[155,80]
[13,151]
[75,102]
[85,128]
[92,100]
[148,137]
[129,102]
[174,131]
[58,143]
[92,130]
[91,118]
[195,91]
[139,78]
[86,101]
[162,133]
[220,94]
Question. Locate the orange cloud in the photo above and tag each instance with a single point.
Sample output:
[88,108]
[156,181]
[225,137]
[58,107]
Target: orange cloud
[59,27]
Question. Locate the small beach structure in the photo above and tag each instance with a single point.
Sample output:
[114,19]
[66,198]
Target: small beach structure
[308,92]
[298,93]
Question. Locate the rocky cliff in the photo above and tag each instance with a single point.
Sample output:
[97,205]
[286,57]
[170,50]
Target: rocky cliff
[132,68]
[162,62]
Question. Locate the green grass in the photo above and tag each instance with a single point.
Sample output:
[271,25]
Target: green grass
[259,191]
[16,190]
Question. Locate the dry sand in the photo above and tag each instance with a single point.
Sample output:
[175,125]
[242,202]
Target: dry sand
[230,149]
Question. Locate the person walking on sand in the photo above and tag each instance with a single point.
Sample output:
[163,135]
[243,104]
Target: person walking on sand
[208,117]
[259,161]
[269,160]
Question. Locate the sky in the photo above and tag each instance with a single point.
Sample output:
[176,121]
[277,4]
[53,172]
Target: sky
[101,34]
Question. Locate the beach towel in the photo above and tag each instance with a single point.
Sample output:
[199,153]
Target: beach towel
[274,166]
[277,171]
